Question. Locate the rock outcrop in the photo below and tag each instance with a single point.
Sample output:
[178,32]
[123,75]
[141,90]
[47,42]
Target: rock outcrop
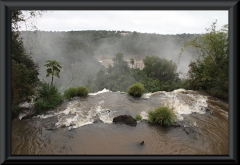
[125,119]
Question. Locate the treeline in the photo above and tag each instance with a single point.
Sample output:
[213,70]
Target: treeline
[209,72]
[77,51]
[158,74]
[108,43]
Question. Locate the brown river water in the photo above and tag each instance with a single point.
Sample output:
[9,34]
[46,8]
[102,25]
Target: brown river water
[74,126]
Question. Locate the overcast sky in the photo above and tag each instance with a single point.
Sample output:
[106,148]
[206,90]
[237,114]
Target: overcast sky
[154,21]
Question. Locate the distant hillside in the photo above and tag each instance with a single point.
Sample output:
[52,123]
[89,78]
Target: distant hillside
[79,52]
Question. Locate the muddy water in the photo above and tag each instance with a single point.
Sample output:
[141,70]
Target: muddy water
[84,126]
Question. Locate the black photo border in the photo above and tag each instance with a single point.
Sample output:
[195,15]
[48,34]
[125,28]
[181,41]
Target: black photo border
[5,79]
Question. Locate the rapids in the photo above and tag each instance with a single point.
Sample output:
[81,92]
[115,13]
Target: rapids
[84,126]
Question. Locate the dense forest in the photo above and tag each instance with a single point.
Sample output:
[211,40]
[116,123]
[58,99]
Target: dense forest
[45,64]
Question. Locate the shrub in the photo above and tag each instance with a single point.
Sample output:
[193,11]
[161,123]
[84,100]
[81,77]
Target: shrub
[136,90]
[69,93]
[138,117]
[81,91]
[47,97]
[161,115]
[78,91]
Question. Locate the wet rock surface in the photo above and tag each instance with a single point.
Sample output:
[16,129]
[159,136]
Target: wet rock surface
[97,121]
[175,124]
[125,119]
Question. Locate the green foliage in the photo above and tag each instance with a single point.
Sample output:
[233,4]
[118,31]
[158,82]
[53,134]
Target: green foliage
[78,91]
[53,68]
[162,116]
[136,90]
[69,93]
[116,77]
[48,97]
[16,17]
[23,82]
[24,71]
[138,117]
[153,84]
[81,91]
[210,71]
[15,110]
[160,68]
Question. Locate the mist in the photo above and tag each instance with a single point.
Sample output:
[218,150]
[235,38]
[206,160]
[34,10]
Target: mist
[78,64]
[83,54]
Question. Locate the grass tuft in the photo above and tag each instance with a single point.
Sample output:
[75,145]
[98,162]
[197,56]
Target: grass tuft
[162,116]
[136,90]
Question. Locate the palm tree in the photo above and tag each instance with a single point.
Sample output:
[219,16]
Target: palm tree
[132,62]
[53,68]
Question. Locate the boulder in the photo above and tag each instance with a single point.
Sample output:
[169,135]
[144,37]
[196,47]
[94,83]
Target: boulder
[125,119]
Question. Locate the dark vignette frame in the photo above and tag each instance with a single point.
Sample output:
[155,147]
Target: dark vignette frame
[5,79]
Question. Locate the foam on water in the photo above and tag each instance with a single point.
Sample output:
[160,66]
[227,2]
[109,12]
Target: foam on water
[144,115]
[181,90]
[23,114]
[148,95]
[46,116]
[102,91]
[77,115]
[197,103]
[28,106]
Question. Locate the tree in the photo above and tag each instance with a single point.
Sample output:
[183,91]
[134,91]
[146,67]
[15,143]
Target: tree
[132,62]
[210,71]
[160,68]
[53,68]
[24,71]
[118,58]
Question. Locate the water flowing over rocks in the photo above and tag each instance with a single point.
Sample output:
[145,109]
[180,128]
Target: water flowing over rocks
[87,125]
[27,109]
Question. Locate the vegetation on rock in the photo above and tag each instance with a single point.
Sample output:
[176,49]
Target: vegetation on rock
[136,90]
[78,91]
[162,116]
[138,117]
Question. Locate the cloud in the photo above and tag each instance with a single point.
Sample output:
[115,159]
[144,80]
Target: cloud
[146,21]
